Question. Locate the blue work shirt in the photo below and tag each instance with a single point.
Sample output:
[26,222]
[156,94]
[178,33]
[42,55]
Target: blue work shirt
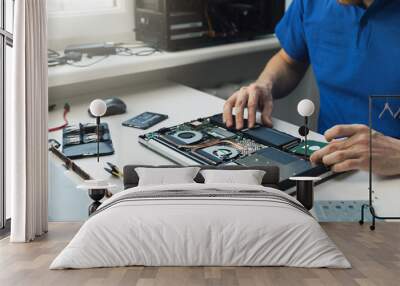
[354,52]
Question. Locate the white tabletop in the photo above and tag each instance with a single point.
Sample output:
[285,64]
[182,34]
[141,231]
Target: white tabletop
[184,104]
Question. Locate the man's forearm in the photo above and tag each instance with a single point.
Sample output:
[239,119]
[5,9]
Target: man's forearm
[282,74]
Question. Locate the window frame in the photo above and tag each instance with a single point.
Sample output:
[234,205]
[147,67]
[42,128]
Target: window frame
[6,39]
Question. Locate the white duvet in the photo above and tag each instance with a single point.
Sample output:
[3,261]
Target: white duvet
[205,231]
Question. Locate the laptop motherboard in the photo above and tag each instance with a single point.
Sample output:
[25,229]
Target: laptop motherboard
[207,141]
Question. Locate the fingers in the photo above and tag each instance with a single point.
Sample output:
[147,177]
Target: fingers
[228,108]
[237,101]
[348,154]
[341,131]
[339,156]
[252,107]
[266,115]
[319,155]
[241,103]
[357,136]
[348,165]
[254,98]
[361,140]
[338,160]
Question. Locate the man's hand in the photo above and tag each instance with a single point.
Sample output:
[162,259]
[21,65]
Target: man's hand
[256,97]
[352,153]
[282,74]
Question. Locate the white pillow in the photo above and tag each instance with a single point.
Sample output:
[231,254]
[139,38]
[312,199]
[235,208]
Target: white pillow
[242,177]
[166,176]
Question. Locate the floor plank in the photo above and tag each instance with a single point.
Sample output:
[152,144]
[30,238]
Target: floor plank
[375,257]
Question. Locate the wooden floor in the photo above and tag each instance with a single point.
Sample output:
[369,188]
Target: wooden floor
[375,257]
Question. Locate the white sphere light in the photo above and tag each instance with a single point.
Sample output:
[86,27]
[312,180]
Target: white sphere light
[306,108]
[98,108]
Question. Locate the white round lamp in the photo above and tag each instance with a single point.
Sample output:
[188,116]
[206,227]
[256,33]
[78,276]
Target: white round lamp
[98,108]
[305,108]
[305,185]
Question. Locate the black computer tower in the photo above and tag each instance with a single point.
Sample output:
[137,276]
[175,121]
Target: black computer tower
[174,25]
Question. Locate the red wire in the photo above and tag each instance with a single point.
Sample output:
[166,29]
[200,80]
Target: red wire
[58,128]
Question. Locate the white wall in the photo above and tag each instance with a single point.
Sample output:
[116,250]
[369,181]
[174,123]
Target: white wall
[115,25]
[77,28]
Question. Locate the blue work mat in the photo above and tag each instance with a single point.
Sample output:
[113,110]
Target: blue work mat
[341,211]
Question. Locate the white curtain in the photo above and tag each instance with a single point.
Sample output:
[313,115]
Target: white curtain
[26,120]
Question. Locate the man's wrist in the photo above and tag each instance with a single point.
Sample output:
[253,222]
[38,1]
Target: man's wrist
[269,81]
[266,84]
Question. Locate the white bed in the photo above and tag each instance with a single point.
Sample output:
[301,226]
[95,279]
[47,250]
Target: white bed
[221,225]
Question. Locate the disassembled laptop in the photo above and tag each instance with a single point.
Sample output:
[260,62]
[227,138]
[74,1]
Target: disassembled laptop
[207,141]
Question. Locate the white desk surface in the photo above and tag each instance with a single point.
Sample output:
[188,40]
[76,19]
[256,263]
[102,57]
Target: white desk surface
[115,66]
[184,104]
